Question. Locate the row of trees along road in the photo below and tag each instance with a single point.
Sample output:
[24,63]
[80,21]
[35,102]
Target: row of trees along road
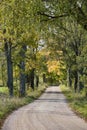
[67,30]
[19,36]
[43,37]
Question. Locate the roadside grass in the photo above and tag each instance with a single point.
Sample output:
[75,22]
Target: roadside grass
[77,101]
[7,104]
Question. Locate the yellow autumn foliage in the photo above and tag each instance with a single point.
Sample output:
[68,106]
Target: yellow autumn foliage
[53,66]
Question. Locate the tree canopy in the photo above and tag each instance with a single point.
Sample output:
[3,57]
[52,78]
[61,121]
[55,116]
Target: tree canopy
[43,38]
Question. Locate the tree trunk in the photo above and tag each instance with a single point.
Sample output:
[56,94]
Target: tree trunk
[44,78]
[69,81]
[9,67]
[32,78]
[22,71]
[76,81]
[37,80]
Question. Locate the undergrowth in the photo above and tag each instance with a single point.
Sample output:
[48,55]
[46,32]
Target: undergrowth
[77,101]
[7,104]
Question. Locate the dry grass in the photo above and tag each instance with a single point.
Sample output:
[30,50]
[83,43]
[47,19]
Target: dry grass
[7,104]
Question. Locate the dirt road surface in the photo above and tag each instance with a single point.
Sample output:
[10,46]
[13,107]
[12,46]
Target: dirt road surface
[49,112]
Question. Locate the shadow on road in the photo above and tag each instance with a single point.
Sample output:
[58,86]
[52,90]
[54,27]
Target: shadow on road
[51,100]
[62,113]
[53,92]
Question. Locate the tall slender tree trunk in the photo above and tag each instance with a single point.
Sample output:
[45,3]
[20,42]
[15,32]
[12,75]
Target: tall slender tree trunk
[77,53]
[9,67]
[22,72]
[37,80]
[32,78]
[44,78]
[69,81]
[76,82]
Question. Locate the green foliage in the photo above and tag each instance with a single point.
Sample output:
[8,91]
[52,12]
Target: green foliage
[4,90]
[53,33]
[57,26]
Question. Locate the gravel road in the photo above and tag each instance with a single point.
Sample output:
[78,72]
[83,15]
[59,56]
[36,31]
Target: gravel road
[49,112]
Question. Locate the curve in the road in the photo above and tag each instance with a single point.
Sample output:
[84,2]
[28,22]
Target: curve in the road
[49,112]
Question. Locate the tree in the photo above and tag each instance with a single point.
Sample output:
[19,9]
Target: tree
[22,71]
[9,66]
[17,24]
[67,36]
[58,9]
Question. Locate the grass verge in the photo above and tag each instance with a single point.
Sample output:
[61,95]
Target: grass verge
[77,101]
[7,105]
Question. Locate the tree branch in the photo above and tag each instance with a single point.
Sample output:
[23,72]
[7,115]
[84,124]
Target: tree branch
[52,17]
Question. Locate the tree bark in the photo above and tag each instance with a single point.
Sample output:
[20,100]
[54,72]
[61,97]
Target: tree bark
[9,67]
[76,81]
[37,80]
[22,72]
[32,78]
[44,78]
[69,81]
